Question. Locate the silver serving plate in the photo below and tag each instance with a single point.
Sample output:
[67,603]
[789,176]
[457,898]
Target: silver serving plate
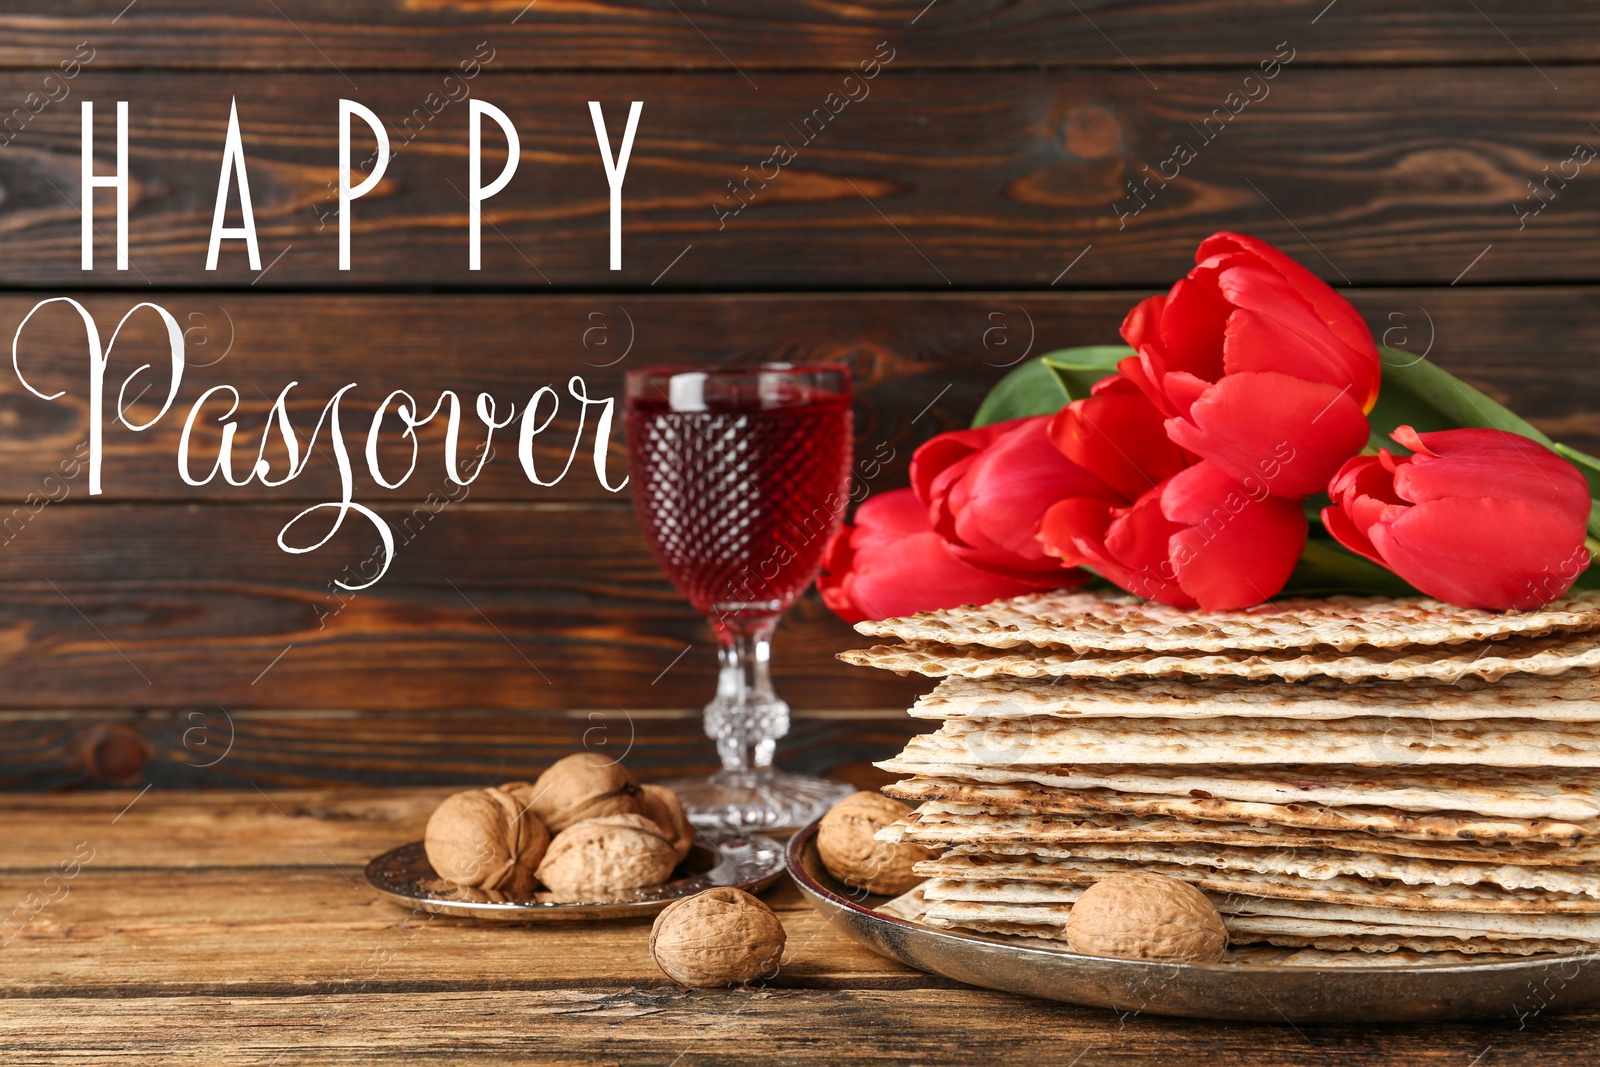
[1521,989]
[745,861]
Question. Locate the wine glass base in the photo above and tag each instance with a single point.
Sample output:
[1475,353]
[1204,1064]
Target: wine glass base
[756,800]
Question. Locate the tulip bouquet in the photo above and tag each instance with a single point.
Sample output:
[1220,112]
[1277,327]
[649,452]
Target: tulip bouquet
[1251,440]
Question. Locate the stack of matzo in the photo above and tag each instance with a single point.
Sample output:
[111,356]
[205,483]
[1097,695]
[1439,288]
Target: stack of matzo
[1369,775]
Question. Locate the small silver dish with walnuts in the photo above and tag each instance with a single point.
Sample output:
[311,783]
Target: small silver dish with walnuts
[583,841]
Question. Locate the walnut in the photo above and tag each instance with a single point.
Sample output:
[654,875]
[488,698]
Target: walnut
[845,841]
[1142,916]
[488,839]
[600,859]
[719,937]
[660,805]
[584,785]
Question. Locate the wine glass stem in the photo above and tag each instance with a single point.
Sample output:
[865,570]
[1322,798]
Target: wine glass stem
[746,718]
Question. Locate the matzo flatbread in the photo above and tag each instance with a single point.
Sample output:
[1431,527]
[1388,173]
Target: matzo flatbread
[1573,696]
[1240,741]
[1311,864]
[1064,807]
[1391,950]
[1511,793]
[1248,946]
[1127,834]
[910,905]
[1114,622]
[1580,927]
[1067,877]
[1297,916]
[1490,660]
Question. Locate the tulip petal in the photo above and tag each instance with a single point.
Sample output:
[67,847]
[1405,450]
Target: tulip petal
[1074,530]
[1138,541]
[1482,552]
[1271,339]
[1231,550]
[991,515]
[1126,546]
[1192,328]
[890,563]
[1142,325]
[1348,534]
[1364,490]
[1144,371]
[938,454]
[1183,390]
[1118,435]
[1365,476]
[1491,463]
[1343,320]
[885,518]
[1274,431]
[920,574]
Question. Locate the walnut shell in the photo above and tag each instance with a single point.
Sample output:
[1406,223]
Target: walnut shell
[488,839]
[1142,916]
[845,842]
[716,938]
[599,859]
[584,785]
[661,806]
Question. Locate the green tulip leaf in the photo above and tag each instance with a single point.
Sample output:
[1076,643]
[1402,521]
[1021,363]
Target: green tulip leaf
[1421,394]
[1046,384]
[1589,467]
[1030,389]
[1585,462]
[1327,568]
[1078,369]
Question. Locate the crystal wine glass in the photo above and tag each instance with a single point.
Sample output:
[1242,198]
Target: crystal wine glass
[740,474]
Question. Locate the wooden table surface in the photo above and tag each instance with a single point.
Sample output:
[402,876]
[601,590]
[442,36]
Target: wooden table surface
[236,928]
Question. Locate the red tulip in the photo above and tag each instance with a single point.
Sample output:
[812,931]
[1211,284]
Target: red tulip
[1257,365]
[1199,539]
[987,488]
[1126,544]
[1117,433]
[892,563]
[1480,518]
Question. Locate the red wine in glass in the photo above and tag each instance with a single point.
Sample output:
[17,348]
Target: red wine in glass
[739,477]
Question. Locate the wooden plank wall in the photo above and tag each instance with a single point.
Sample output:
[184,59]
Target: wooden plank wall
[966,205]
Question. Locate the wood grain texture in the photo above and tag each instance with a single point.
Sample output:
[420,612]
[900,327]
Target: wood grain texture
[359,35]
[495,607]
[150,952]
[921,363]
[858,1026]
[203,932]
[170,831]
[1407,179]
[214,748]
[662,1027]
